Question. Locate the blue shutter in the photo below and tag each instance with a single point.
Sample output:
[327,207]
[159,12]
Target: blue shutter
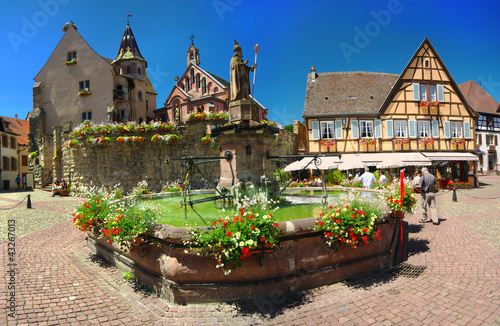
[416,91]
[315,130]
[389,129]
[435,128]
[447,129]
[440,93]
[354,129]
[412,128]
[338,129]
[378,128]
[466,129]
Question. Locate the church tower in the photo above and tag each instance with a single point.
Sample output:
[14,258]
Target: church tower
[193,55]
[129,61]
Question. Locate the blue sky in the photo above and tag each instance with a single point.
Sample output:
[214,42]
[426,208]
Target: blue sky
[292,35]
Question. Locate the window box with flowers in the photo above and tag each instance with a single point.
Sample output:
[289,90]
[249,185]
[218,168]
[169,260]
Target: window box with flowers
[197,116]
[130,140]
[97,141]
[327,142]
[71,62]
[401,140]
[367,141]
[426,141]
[84,92]
[492,146]
[426,103]
[209,141]
[457,141]
[165,139]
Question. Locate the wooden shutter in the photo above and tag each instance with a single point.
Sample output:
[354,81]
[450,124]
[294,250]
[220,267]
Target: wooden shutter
[412,128]
[377,124]
[447,129]
[466,129]
[339,133]
[435,128]
[440,93]
[354,129]
[315,130]
[389,128]
[495,137]
[416,91]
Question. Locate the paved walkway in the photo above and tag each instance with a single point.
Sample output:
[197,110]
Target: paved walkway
[58,281]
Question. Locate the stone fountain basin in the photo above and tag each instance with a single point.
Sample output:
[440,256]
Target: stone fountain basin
[303,262]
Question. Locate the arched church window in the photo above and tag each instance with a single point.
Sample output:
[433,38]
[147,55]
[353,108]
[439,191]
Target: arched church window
[203,85]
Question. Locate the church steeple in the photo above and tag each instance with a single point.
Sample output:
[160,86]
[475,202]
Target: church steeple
[128,48]
[193,54]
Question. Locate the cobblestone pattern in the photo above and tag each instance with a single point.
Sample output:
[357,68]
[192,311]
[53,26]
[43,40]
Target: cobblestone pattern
[60,283]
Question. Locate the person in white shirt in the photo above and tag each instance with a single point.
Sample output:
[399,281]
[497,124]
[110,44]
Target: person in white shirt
[367,179]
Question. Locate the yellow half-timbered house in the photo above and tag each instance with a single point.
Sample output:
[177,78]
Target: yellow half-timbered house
[419,117]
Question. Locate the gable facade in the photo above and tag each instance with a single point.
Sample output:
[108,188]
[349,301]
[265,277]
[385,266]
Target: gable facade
[420,110]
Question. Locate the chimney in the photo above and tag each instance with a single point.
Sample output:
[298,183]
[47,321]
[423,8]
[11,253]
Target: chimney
[16,116]
[313,74]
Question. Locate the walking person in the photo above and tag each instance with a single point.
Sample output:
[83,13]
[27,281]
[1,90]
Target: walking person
[24,182]
[367,178]
[427,183]
[18,181]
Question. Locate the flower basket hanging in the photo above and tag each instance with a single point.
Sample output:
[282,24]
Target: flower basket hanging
[164,139]
[209,141]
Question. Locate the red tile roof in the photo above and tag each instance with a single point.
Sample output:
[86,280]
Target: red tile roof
[478,98]
[20,127]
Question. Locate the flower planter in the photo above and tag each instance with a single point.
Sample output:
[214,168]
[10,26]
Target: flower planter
[304,261]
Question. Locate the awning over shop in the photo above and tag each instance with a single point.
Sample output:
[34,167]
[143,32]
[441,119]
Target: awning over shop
[325,163]
[361,160]
[450,156]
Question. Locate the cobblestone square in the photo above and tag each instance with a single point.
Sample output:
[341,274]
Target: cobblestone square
[58,281]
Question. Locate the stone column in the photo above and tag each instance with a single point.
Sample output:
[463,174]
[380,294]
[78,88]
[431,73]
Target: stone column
[249,164]
[56,163]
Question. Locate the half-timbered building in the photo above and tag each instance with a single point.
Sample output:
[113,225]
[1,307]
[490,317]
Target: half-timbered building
[419,117]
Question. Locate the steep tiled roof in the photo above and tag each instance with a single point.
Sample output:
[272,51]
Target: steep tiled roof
[128,47]
[20,127]
[347,92]
[478,98]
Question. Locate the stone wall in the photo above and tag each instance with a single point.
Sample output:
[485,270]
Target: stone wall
[85,166]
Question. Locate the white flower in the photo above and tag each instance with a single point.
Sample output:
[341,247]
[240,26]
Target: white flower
[241,244]
[249,242]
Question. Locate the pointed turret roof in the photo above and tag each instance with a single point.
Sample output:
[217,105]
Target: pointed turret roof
[128,47]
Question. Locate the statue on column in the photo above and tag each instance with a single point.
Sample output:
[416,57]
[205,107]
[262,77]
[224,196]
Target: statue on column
[240,80]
